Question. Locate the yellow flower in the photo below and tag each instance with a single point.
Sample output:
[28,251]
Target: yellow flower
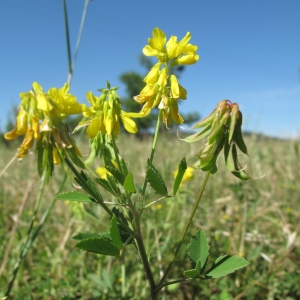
[102,172]
[49,109]
[182,52]
[188,175]
[162,88]
[105,114]
[66,104]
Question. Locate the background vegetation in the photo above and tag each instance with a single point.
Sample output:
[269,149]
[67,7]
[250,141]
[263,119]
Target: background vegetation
[258,219]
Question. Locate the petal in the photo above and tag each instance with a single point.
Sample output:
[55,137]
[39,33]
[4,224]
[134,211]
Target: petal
[162,80]
[129,124]
[22,122]
[91,98]
[189,49]
[175,92]
[87,111]
[185,40]
[133,115]
[27,144]
[56,157]
[74,109]
[189,59]
[35,127]
[11,135]
[159,39]
[173,48]
[93,128]
[149,51]
[176,116]
[152,76]
[182,92]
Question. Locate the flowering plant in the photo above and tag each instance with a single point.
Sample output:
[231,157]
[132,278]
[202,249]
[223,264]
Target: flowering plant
[41,119]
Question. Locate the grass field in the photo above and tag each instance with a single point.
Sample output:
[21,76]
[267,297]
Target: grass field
[257,219]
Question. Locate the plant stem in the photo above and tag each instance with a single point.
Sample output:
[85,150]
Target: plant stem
[86,186]
[152,155]
[26,246]
[143,255]
[161,282]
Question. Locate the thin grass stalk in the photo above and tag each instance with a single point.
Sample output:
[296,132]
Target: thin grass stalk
[27,243]
[70,68]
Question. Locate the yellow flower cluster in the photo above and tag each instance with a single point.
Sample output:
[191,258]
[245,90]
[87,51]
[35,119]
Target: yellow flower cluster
[49,108]
[105,114]
[162,88]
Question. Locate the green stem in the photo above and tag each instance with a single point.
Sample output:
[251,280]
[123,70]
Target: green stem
[27,244]
[161,282]
[143,255]
[86,186]
[152,154]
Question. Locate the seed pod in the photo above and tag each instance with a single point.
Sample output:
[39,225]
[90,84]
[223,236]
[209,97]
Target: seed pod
[233,119]
[206,121]
[237,134]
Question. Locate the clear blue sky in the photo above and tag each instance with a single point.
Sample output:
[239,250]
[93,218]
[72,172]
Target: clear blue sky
[249,52]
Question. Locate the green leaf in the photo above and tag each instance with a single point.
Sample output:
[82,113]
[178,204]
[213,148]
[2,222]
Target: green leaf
[89,186]
[116,174]
[155,180]
[75,158]
[123,166]
[88,235]
[225,265]
[128,184]
[98,245]
[198,249]
[74,196]
[115,233]
[190,273]
[113,184]
[105,184]
[125,235]
[194,272]
[181,170]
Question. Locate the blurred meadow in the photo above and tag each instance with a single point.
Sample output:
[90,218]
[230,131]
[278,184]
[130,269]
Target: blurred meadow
[257,219]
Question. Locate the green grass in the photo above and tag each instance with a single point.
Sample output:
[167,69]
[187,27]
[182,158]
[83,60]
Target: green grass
[258,219]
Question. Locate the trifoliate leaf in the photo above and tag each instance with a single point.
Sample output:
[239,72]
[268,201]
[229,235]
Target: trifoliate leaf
[225,265]
[155,180]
